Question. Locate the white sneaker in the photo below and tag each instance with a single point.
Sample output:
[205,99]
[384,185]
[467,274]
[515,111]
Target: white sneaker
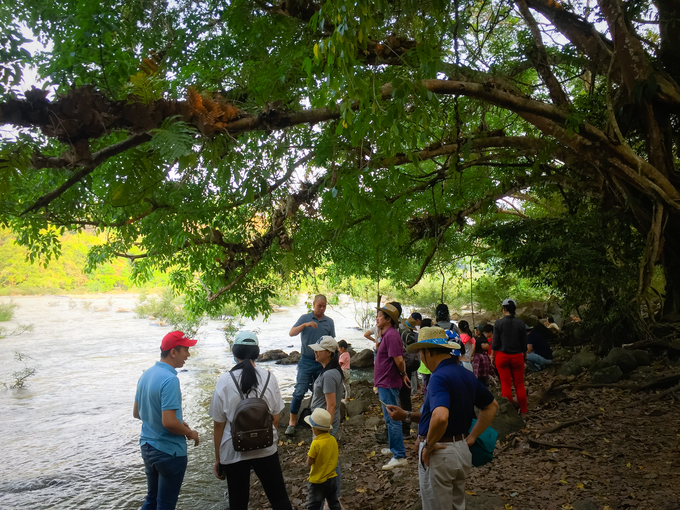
[395,463]
[386,451]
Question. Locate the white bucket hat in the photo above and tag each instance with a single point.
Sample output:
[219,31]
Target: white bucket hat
[320,419]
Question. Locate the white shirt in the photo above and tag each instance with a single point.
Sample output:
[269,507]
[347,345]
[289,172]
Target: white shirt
[223,405]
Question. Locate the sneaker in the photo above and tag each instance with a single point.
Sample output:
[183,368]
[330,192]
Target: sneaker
[290,430]
[395,463]
[386,451]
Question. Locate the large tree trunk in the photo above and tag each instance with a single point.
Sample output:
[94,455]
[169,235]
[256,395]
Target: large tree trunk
[671,261]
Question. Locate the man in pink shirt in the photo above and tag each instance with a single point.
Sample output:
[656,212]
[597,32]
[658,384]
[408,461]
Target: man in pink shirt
[389,376]
[344,364]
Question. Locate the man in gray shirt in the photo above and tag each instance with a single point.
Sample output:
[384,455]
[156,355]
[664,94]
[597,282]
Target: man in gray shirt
[311,326]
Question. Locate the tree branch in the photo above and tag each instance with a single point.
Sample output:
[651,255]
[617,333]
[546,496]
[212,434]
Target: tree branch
[97,159]
[541,58]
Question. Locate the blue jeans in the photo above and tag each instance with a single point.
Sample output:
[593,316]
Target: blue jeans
[536,363]
[396,439]
[308,370]
[164,475]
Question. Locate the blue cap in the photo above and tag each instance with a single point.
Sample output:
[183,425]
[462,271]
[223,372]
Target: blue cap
[245,338]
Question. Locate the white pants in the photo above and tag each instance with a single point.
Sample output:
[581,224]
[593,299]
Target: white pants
[442,483]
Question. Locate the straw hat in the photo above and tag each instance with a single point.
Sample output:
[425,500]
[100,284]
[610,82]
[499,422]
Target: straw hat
[320,419]
[433,338]
[390,310]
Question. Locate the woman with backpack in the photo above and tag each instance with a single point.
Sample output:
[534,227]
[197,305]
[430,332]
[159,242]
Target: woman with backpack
[245,406]
[328,389]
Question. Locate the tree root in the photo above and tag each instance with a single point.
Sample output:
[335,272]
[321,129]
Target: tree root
[534,442]
[654,398]
[623,386]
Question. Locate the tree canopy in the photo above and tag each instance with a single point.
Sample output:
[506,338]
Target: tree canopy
[238,143]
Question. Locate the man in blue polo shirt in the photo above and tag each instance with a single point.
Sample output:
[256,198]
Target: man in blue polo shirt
[312,326]
[158,403]
[452,395]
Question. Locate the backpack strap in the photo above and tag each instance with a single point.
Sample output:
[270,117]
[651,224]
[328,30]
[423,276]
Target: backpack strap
[237,385]
[269,374]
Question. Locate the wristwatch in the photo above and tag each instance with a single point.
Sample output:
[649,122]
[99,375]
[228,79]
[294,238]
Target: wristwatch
[408,418]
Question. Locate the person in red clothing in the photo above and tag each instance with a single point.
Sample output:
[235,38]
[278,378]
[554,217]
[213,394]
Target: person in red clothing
[509,352]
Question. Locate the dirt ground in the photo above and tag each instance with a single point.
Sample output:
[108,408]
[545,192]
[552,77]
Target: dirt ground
[619,459]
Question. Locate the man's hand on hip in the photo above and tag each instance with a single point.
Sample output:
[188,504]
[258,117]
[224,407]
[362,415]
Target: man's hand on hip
[427,452]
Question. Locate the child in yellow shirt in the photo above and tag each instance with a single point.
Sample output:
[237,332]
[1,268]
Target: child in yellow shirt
[323,459]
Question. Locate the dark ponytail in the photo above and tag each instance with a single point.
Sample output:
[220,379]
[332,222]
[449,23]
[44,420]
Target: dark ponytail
[334,363]
[249,374]
[511,307]
[464,326]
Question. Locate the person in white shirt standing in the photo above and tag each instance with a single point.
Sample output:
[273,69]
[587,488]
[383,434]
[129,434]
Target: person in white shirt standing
[234,465]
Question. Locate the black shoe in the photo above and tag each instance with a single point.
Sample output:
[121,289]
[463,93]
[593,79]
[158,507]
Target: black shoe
[381,437]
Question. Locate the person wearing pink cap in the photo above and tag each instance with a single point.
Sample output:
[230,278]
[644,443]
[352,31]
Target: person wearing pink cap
[158,403]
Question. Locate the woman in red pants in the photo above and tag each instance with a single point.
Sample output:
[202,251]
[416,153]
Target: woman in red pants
[509,352]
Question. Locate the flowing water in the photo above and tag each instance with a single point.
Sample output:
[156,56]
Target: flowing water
[69,438]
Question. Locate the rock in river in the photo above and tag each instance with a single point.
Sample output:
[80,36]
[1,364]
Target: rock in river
[272,355]
[291,359]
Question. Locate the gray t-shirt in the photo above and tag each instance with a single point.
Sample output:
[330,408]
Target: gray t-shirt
[328,382]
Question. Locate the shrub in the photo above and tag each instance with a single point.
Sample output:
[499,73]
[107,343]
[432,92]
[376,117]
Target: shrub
[7,311]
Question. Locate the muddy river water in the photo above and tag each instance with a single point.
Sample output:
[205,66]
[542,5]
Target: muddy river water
[69,439]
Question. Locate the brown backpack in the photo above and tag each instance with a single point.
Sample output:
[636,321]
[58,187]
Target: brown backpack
[251,428]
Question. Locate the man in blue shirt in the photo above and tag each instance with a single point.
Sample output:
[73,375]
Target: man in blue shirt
[158,403]
[312,326]
[444,443]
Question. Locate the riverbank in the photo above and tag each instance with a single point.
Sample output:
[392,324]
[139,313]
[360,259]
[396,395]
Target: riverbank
[620,459]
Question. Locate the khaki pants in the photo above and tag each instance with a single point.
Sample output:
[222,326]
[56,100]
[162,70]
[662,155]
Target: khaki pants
[345,381]
[442,483]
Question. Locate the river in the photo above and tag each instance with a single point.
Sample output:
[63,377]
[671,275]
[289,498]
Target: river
[69,437]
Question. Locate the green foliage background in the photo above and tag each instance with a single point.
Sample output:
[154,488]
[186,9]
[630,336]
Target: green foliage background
[65,274]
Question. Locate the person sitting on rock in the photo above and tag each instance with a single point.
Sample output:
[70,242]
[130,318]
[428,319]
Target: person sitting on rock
[539,354]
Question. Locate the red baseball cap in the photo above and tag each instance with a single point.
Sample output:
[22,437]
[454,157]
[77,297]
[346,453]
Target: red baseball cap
[175,338]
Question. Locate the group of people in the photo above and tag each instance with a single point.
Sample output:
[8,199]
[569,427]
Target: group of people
[458,379]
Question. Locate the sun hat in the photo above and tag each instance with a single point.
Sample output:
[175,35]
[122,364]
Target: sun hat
[433,338]
[320,419]
[509,301]
[325,343]
[246,338]
[390,310]
[174,339]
